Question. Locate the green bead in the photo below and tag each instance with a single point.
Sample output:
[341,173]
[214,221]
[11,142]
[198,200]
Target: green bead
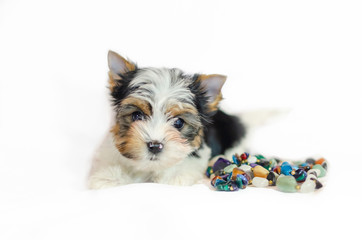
[259,156]
[230,168]
[222,187]
[297,163]
[272,163]
[320,168]
[287,183]
[209,171]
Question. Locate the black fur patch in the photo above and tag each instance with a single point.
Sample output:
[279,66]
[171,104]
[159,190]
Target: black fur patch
[194,154]
[122,89]
[224,132]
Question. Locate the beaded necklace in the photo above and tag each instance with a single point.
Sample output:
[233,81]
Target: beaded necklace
[258,171]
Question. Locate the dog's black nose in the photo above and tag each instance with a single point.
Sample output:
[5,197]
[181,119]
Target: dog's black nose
[155,147]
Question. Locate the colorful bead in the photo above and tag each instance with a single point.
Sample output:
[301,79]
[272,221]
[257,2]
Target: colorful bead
[286,169]
[300,175]
[272,178]
[249,176]
[264,163]
[245,168]
[209,171]
[324,165]
[321,169]
[244,156]
[318,183]
[229,169]
[235,172]
[227,187]
[236,159]
[241,181]
[259,157]
[310,161]
[286,183]
[306,167]
[277,170]
[252,159]
[315,172]
[233,187]
[260,171]
[297,163]
[308,186]
[220,164]
[260,182]
[272,163]
[320,161]
[278,160]
[309,176]
[253,165]
[219,172]
[213,181]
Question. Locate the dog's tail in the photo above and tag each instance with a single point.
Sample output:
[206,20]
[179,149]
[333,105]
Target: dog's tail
[252,120]
[260,117]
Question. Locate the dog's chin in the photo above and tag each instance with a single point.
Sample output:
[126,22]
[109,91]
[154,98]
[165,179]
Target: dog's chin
[154,158]
[155,162]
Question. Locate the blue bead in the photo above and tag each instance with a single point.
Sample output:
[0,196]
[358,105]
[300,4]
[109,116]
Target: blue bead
[244,179]
[285,169]
[219,181]
[228,179]
[235,160]
[241,181]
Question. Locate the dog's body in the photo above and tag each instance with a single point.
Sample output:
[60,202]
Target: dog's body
[167,126]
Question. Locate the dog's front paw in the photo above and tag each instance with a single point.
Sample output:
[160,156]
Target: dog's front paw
[107,177]
[181,179]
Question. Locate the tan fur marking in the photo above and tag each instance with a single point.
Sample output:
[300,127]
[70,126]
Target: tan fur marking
[115,129]
[179,109]
[198,139]
[133,144]
[214,105]
[129,144]
[117,138]
[141,104]
[112,81]
[174,135]
[130,66]
[205,76]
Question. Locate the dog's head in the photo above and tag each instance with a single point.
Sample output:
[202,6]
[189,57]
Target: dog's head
[160,113]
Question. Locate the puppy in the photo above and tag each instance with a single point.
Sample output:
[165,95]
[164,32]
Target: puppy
[167,126]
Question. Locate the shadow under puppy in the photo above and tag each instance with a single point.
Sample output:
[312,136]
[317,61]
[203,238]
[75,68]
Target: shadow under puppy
[167,126]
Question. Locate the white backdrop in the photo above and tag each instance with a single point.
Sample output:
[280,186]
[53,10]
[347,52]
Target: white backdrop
[304,56]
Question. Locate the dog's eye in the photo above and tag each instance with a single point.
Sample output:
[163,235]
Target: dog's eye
[137,116]
[179,123]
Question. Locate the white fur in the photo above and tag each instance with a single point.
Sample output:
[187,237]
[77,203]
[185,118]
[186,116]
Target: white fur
[111,169]
[162,87]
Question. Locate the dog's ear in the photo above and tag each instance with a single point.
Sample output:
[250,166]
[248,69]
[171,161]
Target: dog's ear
[212,84]
[118,66]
